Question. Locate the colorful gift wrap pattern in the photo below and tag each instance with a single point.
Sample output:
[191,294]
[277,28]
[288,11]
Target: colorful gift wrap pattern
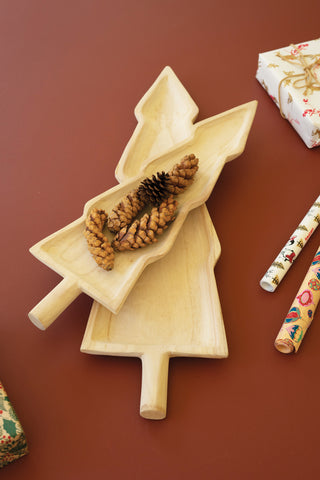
[291,77]
[292,248]
[302,310]
[13,444]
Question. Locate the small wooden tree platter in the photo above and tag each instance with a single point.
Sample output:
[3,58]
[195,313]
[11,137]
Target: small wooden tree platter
[174,308]
[215,141]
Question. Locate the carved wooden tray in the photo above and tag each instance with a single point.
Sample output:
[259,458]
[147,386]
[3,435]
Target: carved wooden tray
[174,307]
[215,141]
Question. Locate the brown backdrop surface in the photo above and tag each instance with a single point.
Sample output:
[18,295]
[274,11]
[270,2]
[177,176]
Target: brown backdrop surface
[71,75]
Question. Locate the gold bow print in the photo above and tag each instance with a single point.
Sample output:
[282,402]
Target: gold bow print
[307,79]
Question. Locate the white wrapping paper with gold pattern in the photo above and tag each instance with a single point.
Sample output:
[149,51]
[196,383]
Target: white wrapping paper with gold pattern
[291,76]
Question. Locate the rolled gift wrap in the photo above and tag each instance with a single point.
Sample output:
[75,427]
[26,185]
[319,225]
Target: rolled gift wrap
[292,248]
[13,444]
[302,310]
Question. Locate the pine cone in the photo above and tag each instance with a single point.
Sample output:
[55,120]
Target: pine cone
[123,213]
[98,244]
[143,232]
[181,175]
[154,190]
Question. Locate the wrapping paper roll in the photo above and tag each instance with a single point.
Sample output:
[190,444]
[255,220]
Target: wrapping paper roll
[302,310]
[292,248]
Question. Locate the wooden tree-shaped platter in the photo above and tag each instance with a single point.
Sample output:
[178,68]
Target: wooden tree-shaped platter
[171,307]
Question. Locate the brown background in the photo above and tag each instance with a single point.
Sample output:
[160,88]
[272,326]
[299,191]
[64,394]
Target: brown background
[71,75]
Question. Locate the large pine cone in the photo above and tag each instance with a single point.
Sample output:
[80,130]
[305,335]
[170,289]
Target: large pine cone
[143,232]
[181,175]
[98,244]
[123,213]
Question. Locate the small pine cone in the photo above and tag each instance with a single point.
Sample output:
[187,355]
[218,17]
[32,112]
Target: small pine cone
[123,213]
[99,246]
[154,189]
[181,175]
[143,232]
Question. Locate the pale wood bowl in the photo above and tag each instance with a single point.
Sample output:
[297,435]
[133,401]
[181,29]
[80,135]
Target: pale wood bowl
[174,307]
[173,310]
[214,141]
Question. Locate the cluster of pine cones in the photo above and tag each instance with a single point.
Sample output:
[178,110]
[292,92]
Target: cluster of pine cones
[130,234]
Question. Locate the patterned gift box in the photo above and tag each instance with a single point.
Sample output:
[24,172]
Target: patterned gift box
[291,76]
[13,444]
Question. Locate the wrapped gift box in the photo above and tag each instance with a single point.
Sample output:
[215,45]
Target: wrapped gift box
[291,76]
[13,444]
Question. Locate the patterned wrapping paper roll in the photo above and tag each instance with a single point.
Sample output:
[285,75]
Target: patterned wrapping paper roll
[292,248]
[302,310]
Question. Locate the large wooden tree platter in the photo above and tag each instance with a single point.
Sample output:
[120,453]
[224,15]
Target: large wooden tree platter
[160,301]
